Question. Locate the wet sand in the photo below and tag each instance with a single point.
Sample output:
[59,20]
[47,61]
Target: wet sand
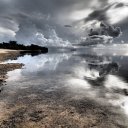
[6,54]
[35,108]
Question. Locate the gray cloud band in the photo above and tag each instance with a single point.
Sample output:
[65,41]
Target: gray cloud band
[22,20]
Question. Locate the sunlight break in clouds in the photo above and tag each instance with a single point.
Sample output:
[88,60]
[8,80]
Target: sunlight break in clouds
[116,15]
[79,15]
[119,1]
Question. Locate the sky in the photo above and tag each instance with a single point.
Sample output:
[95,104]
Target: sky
[58,22]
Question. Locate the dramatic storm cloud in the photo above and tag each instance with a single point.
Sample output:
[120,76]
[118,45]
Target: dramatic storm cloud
[43,21]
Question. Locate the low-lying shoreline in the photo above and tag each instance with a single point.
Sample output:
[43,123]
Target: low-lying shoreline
[6,54]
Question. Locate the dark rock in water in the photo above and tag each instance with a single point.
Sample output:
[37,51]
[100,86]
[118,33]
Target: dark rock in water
[126,92]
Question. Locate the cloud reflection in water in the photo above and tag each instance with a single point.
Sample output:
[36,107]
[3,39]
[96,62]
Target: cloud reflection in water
[85,76]
[106,88]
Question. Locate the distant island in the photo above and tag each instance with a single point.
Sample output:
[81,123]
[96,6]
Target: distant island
[13,45]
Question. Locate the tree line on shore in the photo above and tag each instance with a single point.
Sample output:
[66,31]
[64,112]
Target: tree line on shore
[15,46]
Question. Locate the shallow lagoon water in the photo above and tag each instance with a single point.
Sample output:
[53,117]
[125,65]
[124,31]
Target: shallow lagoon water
[89,75]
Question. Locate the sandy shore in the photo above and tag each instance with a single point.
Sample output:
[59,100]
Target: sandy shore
[6,54]
[7,51]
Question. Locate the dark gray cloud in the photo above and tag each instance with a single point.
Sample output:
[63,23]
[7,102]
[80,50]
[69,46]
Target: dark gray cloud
[22,20]
[30,17]
[119,5]
[99,14]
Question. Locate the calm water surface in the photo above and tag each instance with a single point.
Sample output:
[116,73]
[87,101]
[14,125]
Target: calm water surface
[95,75]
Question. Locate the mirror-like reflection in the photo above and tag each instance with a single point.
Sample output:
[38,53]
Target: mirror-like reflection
[65,77]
